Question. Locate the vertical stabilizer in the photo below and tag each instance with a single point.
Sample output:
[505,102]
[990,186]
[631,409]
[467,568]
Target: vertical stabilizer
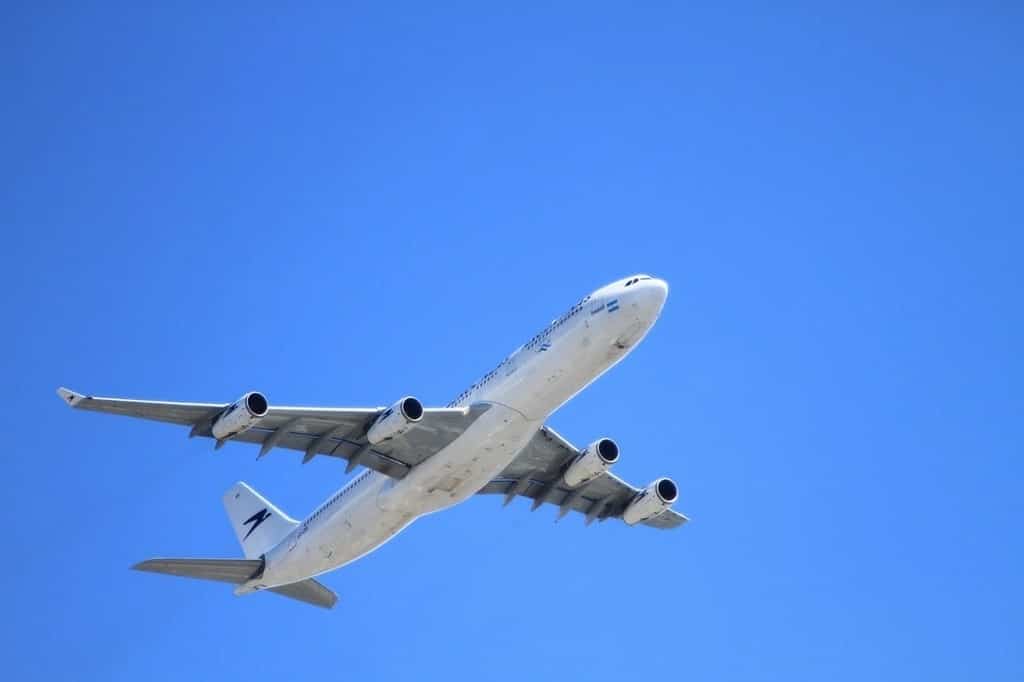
[258,524]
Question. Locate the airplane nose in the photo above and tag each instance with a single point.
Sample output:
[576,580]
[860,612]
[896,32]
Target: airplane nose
[660,288]
[651,296]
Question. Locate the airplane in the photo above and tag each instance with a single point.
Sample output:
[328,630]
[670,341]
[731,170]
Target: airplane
[491,439]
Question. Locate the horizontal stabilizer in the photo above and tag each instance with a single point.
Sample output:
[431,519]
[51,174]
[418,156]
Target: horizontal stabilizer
[309,591]
[236,571]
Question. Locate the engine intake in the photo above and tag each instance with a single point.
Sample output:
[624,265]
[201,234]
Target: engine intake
[395,420]
[241,415]
[595,460]
[655,498]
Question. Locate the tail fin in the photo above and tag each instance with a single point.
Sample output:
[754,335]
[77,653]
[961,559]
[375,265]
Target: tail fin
[258,524]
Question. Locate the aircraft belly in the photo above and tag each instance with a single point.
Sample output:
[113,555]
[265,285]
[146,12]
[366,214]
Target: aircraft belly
[539,380]
[352,532]
[466,465]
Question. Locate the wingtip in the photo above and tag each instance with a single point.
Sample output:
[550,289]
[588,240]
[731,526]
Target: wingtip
[70,397]
[329,605]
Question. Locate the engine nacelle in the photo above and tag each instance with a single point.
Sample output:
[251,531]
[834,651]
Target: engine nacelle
[395,420]
[594,461]
[244,413]
[656,498]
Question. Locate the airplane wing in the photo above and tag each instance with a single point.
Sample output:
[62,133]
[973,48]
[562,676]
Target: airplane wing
[537,473]
[332,431]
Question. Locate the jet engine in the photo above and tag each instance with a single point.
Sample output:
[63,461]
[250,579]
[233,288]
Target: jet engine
[594,461]
[395,420]
[240,415]
[656,498]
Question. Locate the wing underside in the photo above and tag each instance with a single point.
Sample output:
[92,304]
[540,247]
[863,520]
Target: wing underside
[331,431]
[537,474]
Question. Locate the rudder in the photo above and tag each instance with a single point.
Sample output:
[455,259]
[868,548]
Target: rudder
[258,524]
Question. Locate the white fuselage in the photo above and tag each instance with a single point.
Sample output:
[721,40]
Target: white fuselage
[522,392]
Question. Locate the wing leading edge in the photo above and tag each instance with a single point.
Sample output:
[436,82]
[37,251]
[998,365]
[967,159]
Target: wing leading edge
[537,474]
[331,431]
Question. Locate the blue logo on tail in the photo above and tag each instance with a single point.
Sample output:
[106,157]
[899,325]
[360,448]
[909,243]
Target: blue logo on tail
[256,519]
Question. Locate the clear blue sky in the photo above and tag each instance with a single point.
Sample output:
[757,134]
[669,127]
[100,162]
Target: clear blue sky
[340,205]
